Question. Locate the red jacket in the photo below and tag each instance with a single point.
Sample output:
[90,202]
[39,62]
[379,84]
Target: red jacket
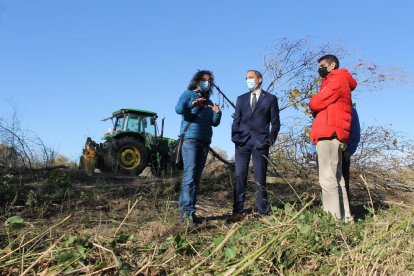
[332,107]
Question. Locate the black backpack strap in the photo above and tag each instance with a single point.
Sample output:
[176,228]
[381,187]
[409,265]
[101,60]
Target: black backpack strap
[178,157]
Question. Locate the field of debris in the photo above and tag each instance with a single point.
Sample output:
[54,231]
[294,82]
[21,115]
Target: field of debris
[63,222]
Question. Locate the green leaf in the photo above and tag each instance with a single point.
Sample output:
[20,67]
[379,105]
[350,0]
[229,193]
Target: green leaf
[65,257]
[304,228]
[123,238]
[243,231]
[230,252]
[99,266]
[288,209]
[70,240]
[68,269]
[81,250]
[275,209]
[206,253]
[337,253]
[257,226]
[218,240]
[14,222]
[288,206]
[124,270]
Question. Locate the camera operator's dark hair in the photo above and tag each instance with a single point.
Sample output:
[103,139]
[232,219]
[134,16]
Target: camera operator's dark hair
[198,76]
[258,74]
[329,59]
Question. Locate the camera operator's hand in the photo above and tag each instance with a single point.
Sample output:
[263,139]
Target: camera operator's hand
[198,102]
[215,108]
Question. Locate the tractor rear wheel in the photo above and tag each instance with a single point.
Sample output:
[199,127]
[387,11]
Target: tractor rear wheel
[131,156]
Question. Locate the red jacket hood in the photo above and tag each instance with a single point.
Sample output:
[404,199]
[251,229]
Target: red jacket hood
[345,74]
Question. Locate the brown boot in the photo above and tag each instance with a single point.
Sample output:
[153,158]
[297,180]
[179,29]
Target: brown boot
[236,217]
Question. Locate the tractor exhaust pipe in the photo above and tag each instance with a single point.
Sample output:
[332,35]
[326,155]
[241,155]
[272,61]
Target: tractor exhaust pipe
[162,127]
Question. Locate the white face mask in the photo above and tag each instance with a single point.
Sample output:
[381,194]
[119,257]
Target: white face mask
[251,84]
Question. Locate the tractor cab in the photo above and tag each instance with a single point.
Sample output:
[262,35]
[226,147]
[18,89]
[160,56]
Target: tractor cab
[132,120]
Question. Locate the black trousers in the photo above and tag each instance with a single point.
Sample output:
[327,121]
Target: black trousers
[243,154]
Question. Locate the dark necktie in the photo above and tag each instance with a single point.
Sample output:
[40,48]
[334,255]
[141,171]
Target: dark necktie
[254,101]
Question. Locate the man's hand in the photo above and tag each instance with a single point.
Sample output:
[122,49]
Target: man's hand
[198,102]
[343,146]
[215,108]
[263,146]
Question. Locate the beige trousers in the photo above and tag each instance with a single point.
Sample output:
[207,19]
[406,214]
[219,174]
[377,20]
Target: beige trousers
[334,196]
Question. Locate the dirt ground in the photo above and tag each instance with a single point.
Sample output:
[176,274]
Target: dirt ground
[136,216]
[148,208]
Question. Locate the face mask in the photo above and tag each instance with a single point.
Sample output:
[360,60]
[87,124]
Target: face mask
[251,84]
[204,85]
[323,72]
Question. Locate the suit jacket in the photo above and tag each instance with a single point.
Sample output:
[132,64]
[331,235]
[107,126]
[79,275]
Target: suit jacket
[255,124]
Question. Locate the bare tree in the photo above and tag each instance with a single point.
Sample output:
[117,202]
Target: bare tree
[292,149]
[291,67]
[383,147]
[383,153]
[21,148]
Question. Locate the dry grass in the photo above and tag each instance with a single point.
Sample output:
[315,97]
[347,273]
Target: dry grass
[127,226]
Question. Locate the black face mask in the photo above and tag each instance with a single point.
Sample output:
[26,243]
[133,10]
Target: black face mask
[323,72]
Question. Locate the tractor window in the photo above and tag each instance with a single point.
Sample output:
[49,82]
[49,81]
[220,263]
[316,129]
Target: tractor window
[133,123]
[141,124]
[119,123]
[147,128]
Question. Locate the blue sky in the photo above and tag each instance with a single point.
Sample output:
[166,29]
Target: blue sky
[69,64]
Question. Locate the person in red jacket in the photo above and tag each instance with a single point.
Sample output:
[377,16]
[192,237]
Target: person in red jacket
[332,112]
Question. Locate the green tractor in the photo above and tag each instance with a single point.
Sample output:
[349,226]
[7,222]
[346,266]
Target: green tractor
[131,146]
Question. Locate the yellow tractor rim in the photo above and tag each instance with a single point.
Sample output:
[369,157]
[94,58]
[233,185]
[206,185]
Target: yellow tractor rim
[129,157]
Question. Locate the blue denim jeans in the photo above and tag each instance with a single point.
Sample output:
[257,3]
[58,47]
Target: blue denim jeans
[194,158]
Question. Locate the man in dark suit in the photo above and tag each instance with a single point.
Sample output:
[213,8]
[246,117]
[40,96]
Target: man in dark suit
[255,128]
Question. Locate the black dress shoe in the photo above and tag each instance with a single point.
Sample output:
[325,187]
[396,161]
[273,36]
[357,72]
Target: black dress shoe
[196,219]
[192,220]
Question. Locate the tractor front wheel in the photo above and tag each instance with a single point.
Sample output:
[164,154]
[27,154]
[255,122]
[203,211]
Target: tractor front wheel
[131,156]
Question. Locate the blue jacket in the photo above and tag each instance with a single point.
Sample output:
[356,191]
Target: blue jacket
[200,127]
[355,135]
